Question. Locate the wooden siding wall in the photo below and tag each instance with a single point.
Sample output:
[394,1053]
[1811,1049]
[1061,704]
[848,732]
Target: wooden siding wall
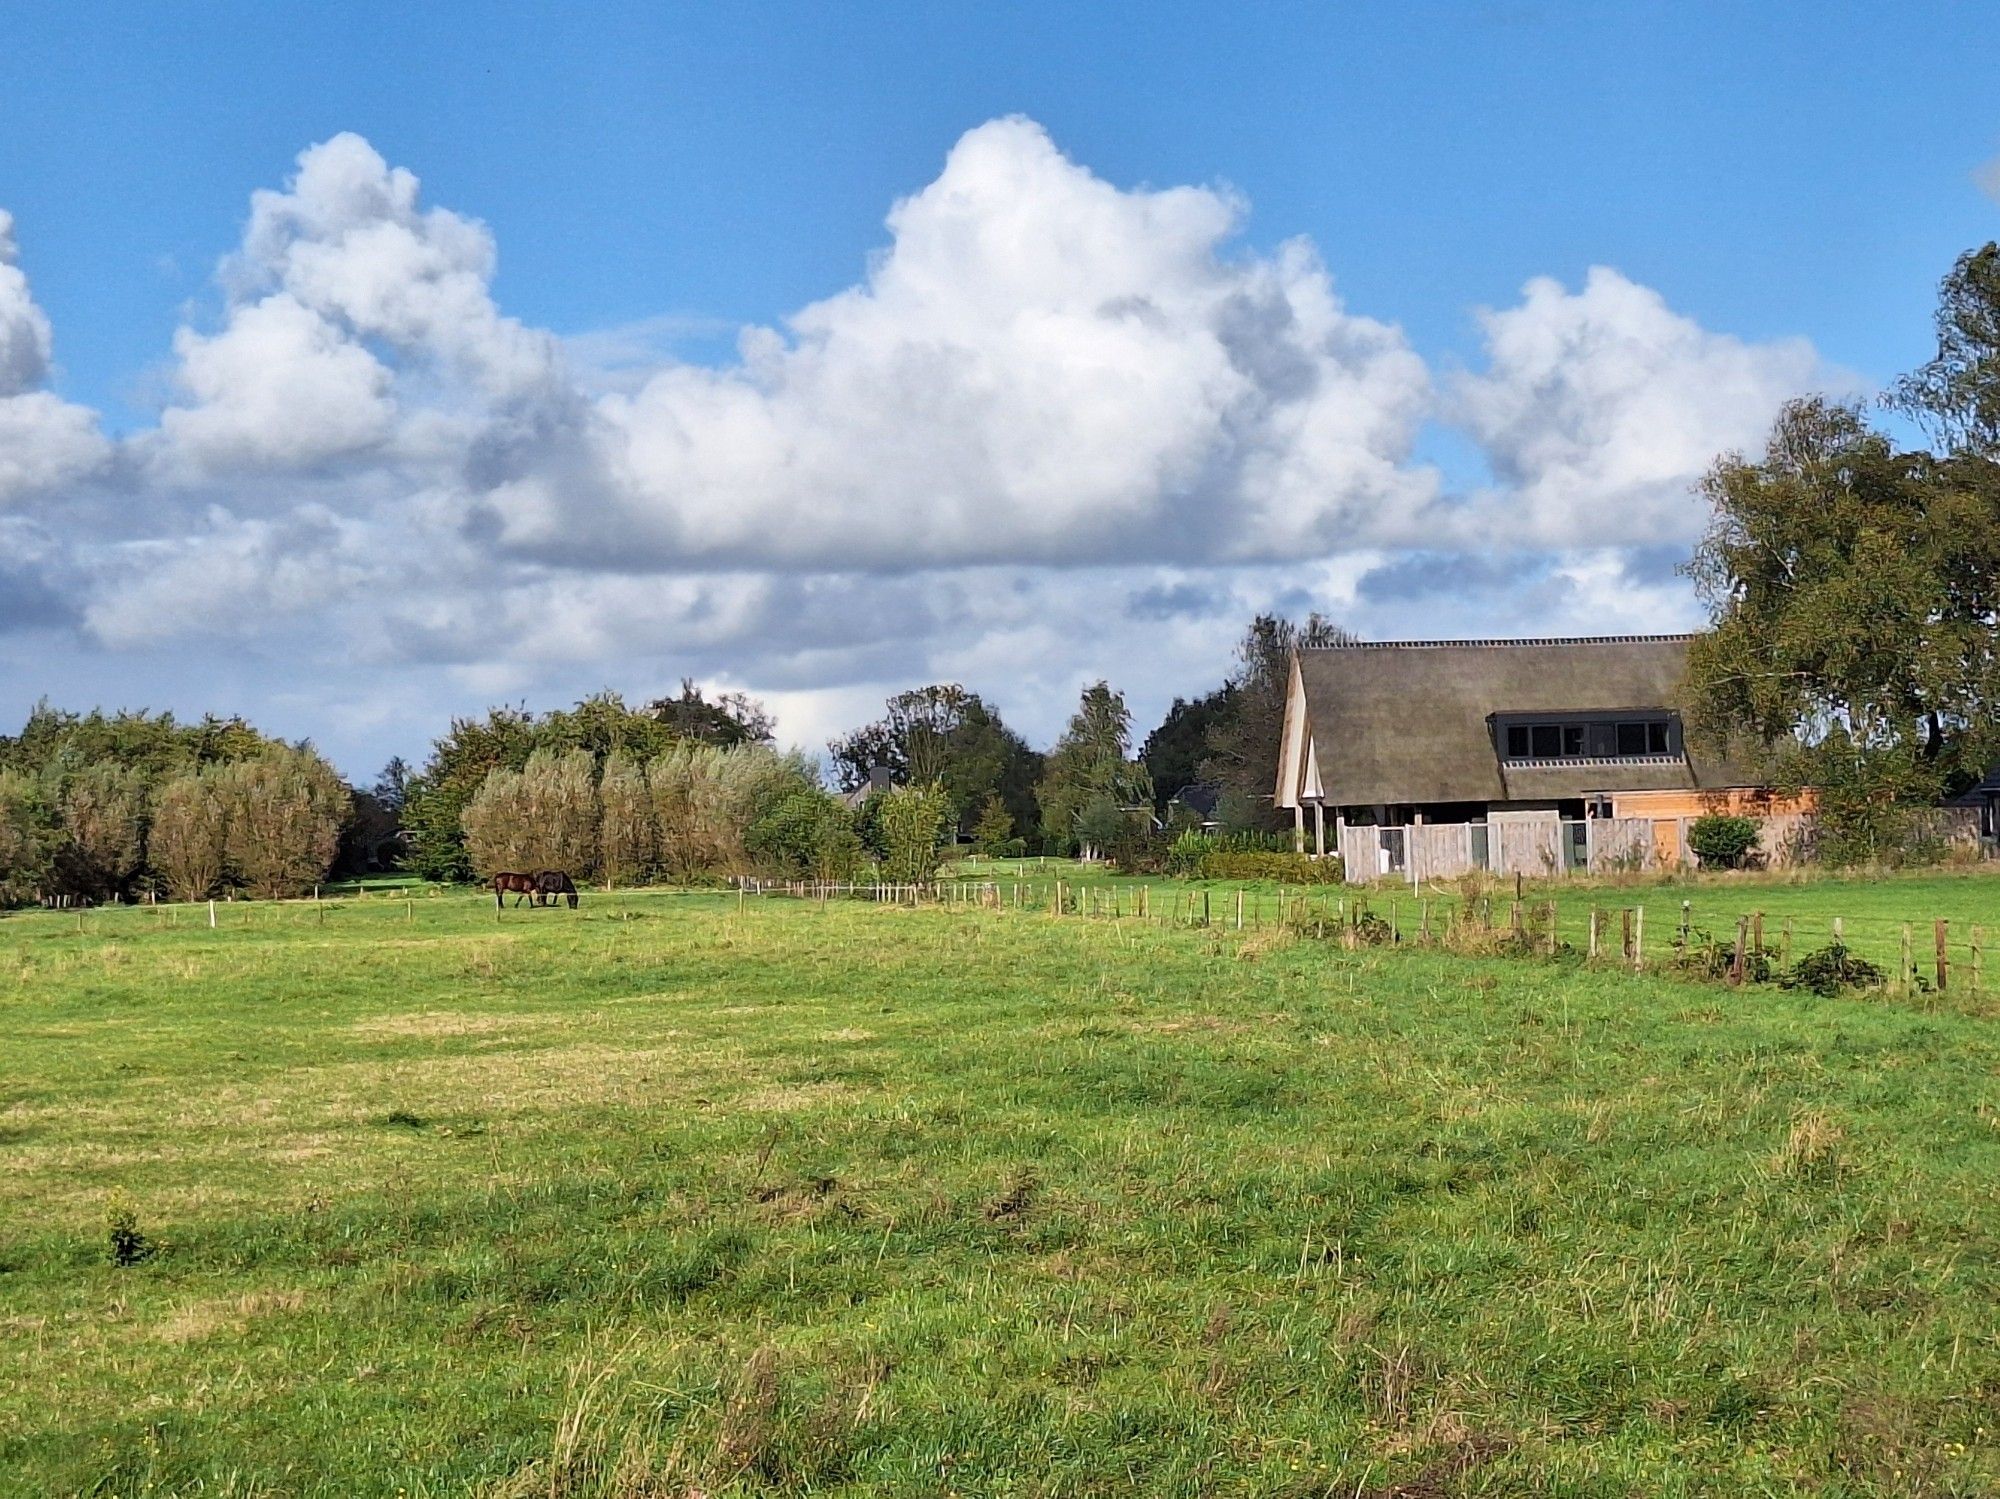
[1535,846]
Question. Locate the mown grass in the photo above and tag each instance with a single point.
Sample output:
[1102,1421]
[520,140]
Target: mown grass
[678,1196]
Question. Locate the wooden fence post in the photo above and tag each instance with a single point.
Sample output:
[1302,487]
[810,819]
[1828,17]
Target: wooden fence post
[1239,910]
[1736,959]
[1974,935]
[1785,943]
[1909,968]
[1592,949]
[1943,958]
[1625,935]
[1638,938]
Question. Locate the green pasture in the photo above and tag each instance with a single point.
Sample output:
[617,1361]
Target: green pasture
[687,1194]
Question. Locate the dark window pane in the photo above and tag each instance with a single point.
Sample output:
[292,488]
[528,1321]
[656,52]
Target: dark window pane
[1517,741]
[1656,738]
[1548,741]
[1631,739]
[1572,739]
[1602,740]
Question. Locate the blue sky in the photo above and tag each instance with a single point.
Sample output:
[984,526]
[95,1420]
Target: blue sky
[1771,174]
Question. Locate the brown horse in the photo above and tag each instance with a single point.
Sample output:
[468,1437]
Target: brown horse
[508,883]
[553,882]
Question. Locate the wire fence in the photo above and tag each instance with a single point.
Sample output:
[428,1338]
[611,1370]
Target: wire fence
[1723,934]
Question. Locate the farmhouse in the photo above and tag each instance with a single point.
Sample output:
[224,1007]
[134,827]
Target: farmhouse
[1435,757]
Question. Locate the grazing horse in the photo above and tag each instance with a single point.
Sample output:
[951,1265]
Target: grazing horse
[553,882]
[507,883]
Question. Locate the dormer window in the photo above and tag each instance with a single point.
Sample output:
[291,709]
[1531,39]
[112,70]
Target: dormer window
[1586,736]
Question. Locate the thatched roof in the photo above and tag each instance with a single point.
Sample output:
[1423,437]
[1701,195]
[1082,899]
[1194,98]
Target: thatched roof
[1407,721]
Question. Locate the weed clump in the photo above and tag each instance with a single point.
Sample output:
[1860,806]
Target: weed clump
[125,1242]
[1829,970]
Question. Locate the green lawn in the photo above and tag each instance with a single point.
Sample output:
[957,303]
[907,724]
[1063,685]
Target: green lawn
[678,1195]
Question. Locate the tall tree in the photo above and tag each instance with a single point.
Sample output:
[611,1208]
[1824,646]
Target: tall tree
[1242,757]
[188,846]
[1956,396]
[1175,752]
[732,718]
[102,808]
[284,812]
[1854,591]
[1090,764]
[946,735]
[628,842]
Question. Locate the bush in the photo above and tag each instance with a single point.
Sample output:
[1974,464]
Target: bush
[1722,842]
[809,835]
[1283,869]
[910,821]
[1828,970]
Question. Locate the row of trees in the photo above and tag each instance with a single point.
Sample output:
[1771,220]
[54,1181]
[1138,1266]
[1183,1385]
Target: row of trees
[695,813]
[97,807]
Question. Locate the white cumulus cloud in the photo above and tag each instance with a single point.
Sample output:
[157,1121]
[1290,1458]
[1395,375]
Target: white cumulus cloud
[1058,428]
[44,441]
[1599,409]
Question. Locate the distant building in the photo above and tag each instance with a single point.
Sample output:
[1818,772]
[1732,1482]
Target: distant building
[1519,745]
[879,780]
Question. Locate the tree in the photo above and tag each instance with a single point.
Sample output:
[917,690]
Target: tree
[807,835]
[1174,752]
[733,718]
[392,785]
[1089,763]
[947,735]
[1956,396]
[994,830]
[23,840]
[437,797]
[284,810]
[102,811]
[497,833]
[706,799]
[628,840]
[1242,757]
[1854,592]
[188,842]
[559,804]
[912,821]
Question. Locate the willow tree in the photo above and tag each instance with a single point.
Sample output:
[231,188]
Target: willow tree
[187,846]
[628,838]
[284,812]
[102,812]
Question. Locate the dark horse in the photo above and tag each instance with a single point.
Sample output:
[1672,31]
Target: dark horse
[553,882]
[507,883]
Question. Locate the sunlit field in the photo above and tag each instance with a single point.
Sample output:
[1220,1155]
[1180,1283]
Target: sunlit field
[688,1194]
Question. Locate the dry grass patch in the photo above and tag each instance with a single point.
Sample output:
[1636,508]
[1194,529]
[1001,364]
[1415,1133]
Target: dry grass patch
[233,1314]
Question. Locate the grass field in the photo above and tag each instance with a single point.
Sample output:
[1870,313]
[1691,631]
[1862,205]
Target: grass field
[673,1196]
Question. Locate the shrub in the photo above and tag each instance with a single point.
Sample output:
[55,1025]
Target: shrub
[1828,970]
[1722,842]
[910,822]
[808,835]
[127,1246]
[994,831]
[1283,869]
